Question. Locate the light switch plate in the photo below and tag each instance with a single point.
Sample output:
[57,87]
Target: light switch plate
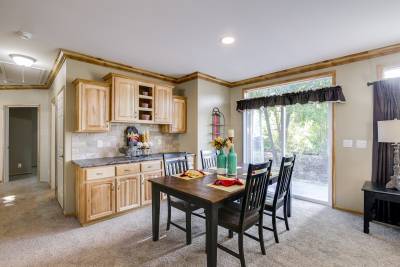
[361,144]
[347,143]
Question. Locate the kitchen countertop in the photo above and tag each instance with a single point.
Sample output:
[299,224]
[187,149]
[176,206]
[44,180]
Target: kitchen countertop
[87,163]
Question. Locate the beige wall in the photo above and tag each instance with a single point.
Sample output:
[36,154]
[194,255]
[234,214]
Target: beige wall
[202,97]
[353,120]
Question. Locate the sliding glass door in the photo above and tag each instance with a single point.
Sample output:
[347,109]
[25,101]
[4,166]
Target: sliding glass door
[303,130]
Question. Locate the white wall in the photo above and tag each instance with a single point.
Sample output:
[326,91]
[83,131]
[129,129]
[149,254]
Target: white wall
[30,97]
[353,120]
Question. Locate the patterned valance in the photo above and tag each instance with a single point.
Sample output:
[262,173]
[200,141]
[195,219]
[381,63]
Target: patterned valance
[328,94]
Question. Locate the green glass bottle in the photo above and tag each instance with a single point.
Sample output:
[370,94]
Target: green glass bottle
[232,161]
[221,162]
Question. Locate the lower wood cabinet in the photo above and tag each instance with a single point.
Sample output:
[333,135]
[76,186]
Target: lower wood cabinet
[146,186]
[128,192]
[108,190]
[100,196]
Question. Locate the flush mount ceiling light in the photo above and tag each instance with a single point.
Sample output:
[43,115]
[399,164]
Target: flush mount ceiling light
[227,40]
[22,60]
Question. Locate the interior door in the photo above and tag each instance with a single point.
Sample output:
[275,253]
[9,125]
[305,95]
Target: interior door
[60,148]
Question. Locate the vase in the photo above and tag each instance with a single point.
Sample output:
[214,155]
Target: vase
[221,162]
[232,161]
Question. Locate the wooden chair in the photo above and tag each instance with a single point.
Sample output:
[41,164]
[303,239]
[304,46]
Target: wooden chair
[208,159]
[280,197]
[239,217]
[174,164]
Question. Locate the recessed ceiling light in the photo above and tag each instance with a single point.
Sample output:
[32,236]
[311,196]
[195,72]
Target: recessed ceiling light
[228,40]
[22,60]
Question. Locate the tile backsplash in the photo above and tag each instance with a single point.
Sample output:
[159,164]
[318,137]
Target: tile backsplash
[99,145]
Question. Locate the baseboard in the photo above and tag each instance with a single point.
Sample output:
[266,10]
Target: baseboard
[348,210]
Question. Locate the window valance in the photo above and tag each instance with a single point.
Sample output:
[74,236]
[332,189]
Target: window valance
[328,94]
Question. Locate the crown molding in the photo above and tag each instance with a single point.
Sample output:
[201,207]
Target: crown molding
[378,52]
[67,54]
[203,76]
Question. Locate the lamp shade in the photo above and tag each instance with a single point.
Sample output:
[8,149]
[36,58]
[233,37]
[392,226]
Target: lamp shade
[389,131]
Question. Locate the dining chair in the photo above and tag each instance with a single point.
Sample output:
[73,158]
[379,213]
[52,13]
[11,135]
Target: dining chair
[239,217]
[208,159]
[174,164]
[280,197]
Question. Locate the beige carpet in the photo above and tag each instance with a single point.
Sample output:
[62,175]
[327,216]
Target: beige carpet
[33,232]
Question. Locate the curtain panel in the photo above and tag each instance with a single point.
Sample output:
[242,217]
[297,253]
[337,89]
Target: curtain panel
[328,94]
[386,107]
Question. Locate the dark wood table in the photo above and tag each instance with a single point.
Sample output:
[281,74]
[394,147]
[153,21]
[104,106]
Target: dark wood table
[197,192]
[374,192]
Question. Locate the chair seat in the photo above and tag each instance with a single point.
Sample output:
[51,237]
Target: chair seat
[269,200]
[183,205]
[229,217]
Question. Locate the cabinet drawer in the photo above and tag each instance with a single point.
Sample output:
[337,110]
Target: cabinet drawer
[126,169]
[100,172]
[151,166]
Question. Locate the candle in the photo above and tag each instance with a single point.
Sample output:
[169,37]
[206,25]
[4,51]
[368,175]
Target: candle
[231,133]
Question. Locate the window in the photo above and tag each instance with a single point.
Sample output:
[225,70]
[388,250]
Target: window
[304,130]
[391,72]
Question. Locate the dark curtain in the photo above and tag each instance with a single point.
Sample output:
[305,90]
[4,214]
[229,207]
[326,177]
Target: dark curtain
[328,94]
[386,107]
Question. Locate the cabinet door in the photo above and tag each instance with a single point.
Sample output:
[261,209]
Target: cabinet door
[123,100]
[163,105]
[94,107]
[146,186]
[128,192]
[100,199]
[178,115]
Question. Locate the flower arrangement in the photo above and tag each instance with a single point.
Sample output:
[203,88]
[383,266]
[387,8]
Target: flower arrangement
[133,137]
[219,143]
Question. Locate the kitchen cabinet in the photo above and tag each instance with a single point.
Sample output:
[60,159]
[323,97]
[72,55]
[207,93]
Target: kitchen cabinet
[128,192]
[105,191]
[100,199]
[123,99]
[163,105]
[92,105]
[146,186]
[178,116]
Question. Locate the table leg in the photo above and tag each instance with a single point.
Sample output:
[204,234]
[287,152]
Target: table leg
[211,235]
[368,203]
[155,193]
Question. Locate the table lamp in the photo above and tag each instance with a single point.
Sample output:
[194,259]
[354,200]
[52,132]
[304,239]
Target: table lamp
[389,132]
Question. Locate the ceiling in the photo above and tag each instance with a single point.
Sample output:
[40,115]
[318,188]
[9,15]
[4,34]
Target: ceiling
[177,37]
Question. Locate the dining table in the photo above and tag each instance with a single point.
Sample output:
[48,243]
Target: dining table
[199,192]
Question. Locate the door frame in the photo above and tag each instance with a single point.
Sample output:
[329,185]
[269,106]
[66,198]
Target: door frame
[6,154]
[53,144]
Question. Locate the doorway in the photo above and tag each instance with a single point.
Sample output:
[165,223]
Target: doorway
[22,143]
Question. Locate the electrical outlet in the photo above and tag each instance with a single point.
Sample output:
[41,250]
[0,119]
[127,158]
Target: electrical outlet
[19,165]
[100,143]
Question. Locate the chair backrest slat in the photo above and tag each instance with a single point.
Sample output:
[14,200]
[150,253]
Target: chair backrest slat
[174,164]
[257,181]
[284,178]
[208,159]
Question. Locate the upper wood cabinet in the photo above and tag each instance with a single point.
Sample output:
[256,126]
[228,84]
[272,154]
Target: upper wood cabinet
[178,116]
[123,99]
[163,105]
[92,105]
